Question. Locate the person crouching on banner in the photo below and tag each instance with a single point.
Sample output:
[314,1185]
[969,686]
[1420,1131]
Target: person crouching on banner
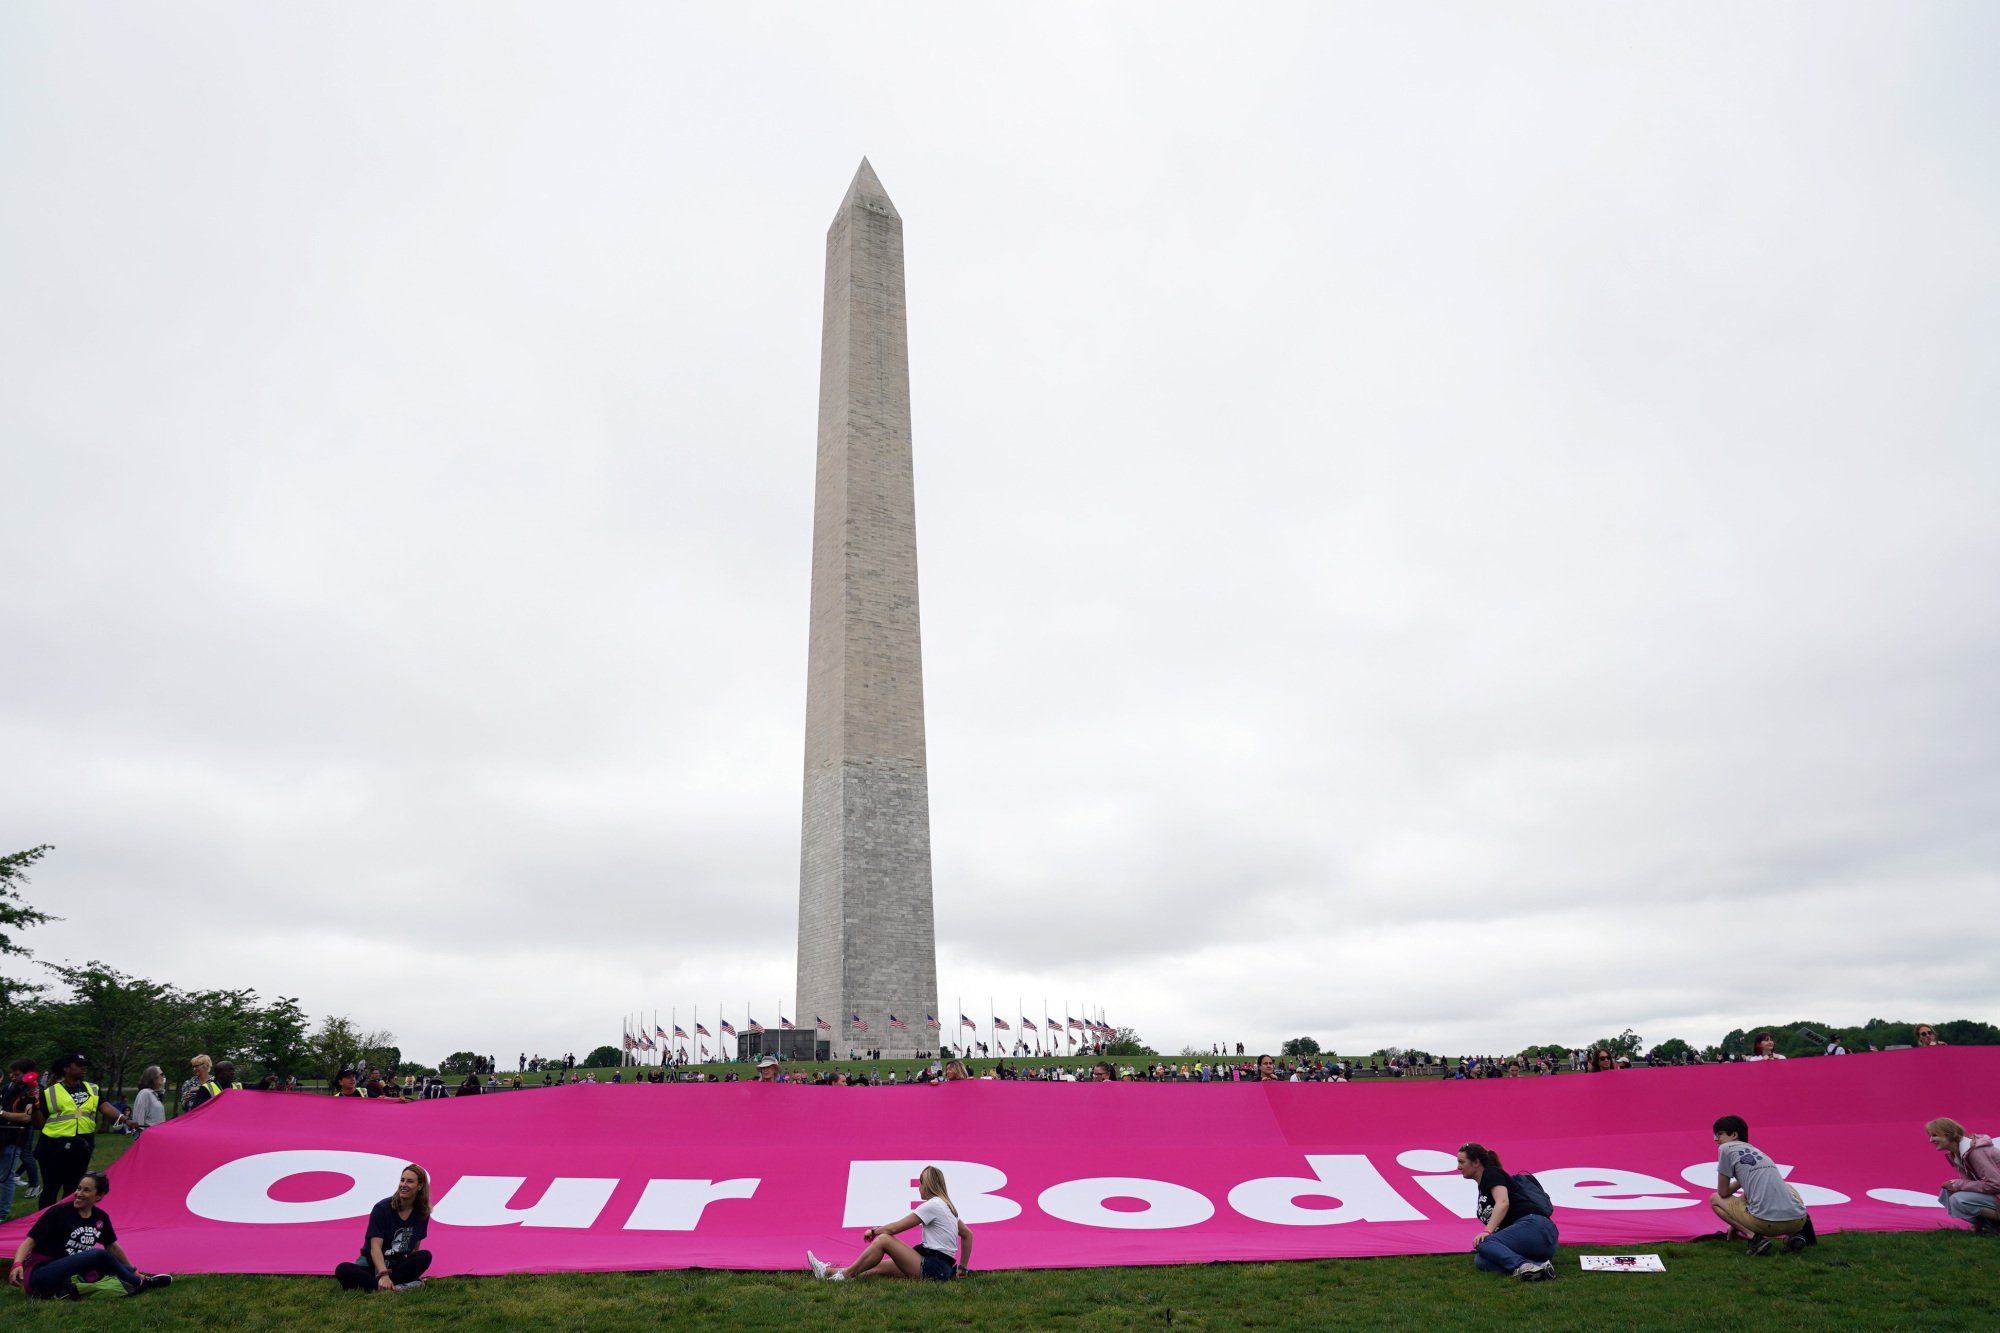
[1767,1206]
[1973,1194]
[392,1252]
[946,1251]
[73,1248]
[1517,1238]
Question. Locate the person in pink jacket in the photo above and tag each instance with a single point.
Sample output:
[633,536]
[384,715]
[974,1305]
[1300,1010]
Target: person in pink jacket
[1973,1194]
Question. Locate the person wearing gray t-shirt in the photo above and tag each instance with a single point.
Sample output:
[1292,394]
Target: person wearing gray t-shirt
[1752,1196]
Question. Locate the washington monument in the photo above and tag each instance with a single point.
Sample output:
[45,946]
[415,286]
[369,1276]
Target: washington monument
[867,948]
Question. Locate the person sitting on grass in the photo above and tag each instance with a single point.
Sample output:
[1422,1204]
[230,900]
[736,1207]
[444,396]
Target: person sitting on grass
[1516,1238]
[946,1251]
[1751,1197]
[1973,1193]
[392,1252]
[73,1248]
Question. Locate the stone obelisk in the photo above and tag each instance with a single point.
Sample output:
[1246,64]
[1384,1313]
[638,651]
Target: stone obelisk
[867,946]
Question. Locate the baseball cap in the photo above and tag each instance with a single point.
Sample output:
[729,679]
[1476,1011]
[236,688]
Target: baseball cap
[766,1060]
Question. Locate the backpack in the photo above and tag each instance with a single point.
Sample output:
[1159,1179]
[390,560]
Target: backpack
[1534,1198]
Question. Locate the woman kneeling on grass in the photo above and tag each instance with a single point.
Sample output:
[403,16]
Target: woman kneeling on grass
[392,1251]
[945,1253]
[1517,1238]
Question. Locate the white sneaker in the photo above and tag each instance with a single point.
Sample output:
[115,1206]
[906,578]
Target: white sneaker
[1535,1271]
[817,1264]
[837,1275]
[414,1284]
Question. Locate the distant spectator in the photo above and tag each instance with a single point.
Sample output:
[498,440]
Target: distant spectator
[954,1071]
[1267,1069]
[1751,1197]
[470,1086]
[149,1107]
[1835,1046]
[1104,1072]
[1602,1061]
[768,1071]
[220,1081]
[346,1084]
[1973,1193]
[1764,1047]
[1927,1035]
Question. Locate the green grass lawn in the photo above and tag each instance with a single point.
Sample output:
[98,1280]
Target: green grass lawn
[1940,1279]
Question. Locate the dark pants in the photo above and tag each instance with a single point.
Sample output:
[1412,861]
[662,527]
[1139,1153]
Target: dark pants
[1531,1238]
[63,1162]
[51,1277]
[360,1277]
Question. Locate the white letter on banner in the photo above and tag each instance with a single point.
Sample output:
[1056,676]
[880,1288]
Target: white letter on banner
[486,1201]
[1348,1177]
[1167,1204]
[240,1191]
[675,1205]
[1702,1176]
[1458,1195]
[1607,1190]
[887,1190]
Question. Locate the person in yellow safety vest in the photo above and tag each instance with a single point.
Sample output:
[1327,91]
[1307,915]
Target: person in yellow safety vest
[343,1085]
[223,1080]
[66,1113]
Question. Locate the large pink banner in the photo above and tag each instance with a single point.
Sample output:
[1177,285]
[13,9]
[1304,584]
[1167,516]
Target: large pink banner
[1052,1175]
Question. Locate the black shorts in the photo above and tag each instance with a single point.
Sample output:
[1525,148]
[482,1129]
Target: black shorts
[938,1266]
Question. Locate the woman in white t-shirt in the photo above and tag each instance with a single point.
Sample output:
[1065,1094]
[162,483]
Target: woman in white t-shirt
[946,1250]
[1763,1047]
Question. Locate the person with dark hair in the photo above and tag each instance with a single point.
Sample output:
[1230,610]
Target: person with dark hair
[1103,1072]
[1752,1197]
[1603,1062]
[67,1113]
[73,1244]
[344,1084]
[1516,1237]
[17,1116]
[392,1252]
[1973,1193]
[1267,1069]
[1763,1046]
[945,1253]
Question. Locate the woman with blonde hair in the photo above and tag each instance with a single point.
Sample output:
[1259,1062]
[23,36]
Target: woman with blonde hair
[945,1253]
[1973,1193]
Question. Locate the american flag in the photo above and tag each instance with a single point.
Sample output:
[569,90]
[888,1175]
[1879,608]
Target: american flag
[898,1024]
[786,1025]
[860,1025]
[756,1027]
[680,1032]
[819,1025]
[701,1031]
[1054,1026]
[645,1043]
[659,1032]
[1002,1025]
[1076,1025]
[965,1022]
[931,1022]
[728,1028]
[1027,1026]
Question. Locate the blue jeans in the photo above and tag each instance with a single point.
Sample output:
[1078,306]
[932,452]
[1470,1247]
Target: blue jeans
[1965,1205]
[52,1278]
[1533,1237]
[11,1155]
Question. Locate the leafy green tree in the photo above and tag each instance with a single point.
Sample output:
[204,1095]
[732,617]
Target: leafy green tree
[278,1042]
[1125,1041]
[1673,1050]
[121,1022]
[333,1046]
[1625,1043]
[1968,1032]
[603,1057]
[15,916]
[1295,1047]
[458,1062]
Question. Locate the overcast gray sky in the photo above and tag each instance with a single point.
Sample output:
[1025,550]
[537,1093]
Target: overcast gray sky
[1439,525]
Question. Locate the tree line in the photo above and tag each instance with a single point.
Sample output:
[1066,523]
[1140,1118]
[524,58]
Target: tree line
[125,1022]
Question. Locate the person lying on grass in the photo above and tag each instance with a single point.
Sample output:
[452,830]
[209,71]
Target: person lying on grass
[945,1253]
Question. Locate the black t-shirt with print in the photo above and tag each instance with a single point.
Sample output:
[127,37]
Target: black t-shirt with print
[401,1237]
[1494,1178]
[62,1230]
[16,1097]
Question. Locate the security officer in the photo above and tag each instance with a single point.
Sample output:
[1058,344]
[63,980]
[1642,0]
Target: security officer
[66,1114]
[343,1085]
